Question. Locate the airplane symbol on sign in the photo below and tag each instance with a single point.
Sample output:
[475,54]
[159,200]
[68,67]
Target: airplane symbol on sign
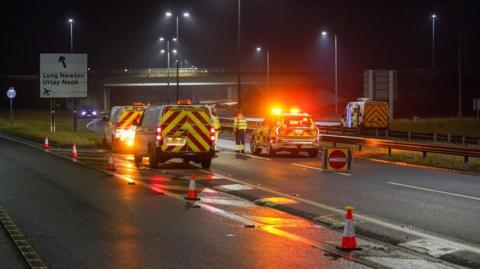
[46,92]
[61,59]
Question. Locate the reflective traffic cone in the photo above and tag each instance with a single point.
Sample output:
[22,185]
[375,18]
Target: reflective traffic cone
[74,152]
[111,162]
[192,190]
[348,242]
[45,144]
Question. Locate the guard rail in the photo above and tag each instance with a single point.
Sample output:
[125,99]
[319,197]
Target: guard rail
[465,151]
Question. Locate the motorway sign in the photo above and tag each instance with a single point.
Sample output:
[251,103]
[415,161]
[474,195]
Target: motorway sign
[337,159]
[11,93]
[63,75]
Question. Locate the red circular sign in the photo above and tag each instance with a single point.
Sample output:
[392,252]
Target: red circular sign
[337,159]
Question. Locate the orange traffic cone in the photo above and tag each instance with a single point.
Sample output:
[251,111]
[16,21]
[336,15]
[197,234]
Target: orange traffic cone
[111,162]
[45,144]
[74,152]
[192,190]
[349,242]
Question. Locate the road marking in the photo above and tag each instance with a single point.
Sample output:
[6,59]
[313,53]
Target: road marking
[306,166]
[90,123]
[25,248]
[235,187]
[357,215]
[344,174]
[430,247]
[246,154]
[436,191]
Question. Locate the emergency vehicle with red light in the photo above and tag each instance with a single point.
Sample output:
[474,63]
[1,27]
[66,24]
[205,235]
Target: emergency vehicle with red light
[292,131]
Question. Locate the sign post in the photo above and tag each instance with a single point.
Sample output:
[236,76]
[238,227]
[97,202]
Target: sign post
[11,93]
[63,76]
[476,106]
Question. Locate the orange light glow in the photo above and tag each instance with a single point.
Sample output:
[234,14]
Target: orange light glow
[277,111]
[295,110]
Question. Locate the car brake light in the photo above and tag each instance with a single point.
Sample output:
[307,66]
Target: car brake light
[158,133]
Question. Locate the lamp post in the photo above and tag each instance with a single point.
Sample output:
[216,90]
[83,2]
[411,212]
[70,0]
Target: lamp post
[434,16]
[259,49]
[324,33]
[168,67]
[70,21]
[177,39]
[239,58]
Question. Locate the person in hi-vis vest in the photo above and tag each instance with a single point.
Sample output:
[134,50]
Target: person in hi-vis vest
[240,128]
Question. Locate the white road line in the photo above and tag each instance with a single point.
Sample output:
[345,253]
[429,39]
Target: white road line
[245,154]
[436,191]
[90,123]
[306,166]
[358,216]
[344,174]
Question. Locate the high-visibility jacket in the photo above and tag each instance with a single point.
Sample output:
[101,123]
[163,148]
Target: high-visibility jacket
[215,122]
[240,123]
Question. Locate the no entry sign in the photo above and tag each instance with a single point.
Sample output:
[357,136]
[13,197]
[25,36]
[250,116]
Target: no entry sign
[337,159]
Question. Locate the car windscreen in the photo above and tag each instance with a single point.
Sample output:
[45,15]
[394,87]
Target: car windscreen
[297,121]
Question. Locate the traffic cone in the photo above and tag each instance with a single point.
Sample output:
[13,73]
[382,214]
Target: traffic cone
[348,242]
[192,190]
[111,162]
[45,144]
[74,152]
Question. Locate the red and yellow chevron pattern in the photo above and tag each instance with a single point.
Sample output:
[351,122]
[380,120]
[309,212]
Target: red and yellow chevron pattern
[128,116]
[376,116]
[192,124]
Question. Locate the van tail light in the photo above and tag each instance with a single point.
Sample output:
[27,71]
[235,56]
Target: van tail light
[158,133]
[212,133]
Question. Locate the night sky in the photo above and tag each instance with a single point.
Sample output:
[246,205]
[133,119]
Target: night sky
[124,34]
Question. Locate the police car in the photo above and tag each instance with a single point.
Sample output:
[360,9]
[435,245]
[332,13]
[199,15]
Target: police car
[175,131]
[292,131]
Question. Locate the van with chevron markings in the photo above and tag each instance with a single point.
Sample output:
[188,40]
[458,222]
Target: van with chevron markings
[366,113]
[175,131]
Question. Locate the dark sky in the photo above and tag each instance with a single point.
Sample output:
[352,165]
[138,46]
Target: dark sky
[124,34]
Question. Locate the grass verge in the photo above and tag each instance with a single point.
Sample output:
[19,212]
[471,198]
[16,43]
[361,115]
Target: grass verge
[432,159]
[35,125]
[454,126]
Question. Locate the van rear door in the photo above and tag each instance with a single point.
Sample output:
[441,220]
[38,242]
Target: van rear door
[186,129]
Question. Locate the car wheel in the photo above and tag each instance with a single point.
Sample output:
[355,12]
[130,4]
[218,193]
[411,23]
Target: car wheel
[137,158]
[152,155]
[254,147]
[206,162]
[271,152]
[313,153]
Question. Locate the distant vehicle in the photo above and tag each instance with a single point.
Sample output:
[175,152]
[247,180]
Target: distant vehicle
[291,131]
[175,131]
[88,113]
[119,129]
[365,113]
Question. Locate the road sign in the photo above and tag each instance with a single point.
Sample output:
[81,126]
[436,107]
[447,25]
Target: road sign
[11,93]
[63,75]
[337,159]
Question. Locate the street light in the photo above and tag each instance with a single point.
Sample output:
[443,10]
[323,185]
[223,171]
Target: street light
[324,34]
[70,21]
[176,39]
[162,51]
[434,16]
[259,49]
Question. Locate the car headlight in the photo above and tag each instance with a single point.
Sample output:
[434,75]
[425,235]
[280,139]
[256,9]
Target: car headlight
[83,113]
[94,113]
